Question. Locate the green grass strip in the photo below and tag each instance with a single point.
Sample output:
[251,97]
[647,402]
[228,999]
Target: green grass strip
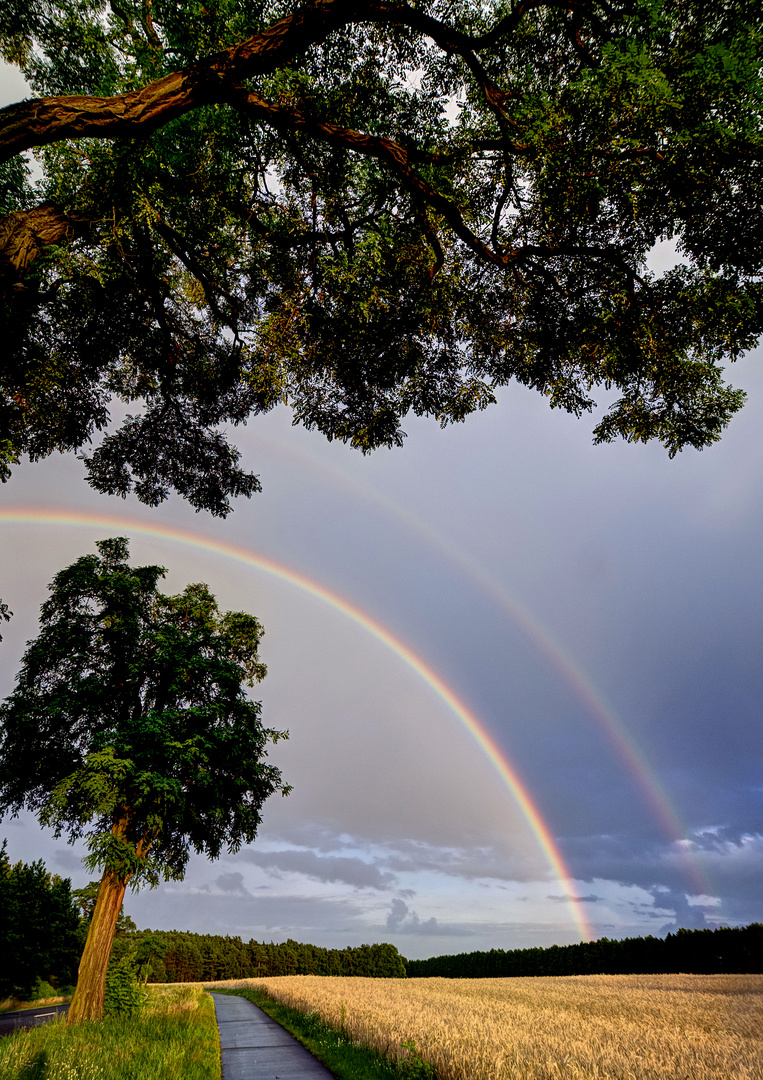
[174,1037]
[342,1057]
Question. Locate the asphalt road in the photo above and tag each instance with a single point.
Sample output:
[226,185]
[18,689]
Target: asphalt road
[21,1018]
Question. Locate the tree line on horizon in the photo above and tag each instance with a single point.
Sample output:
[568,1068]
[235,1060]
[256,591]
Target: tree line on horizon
[726,950]
[184,956]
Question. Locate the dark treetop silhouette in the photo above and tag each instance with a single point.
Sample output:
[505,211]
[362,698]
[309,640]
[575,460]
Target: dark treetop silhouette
[366,209]
[130,726]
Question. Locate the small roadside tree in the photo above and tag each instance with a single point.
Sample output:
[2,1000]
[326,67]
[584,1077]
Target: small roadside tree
[130,727]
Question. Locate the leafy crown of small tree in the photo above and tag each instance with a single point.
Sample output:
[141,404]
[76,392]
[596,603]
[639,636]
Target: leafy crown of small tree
[130,725]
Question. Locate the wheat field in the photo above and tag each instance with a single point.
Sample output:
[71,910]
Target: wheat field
[585,1027]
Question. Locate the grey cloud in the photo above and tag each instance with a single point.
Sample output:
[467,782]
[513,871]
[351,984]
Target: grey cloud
[686,916]
[231,883]
[566,899]
[409,856]
[461,862]
[351,871]
[401,920]
[398,913]
[334,923]
[724,837]
[307,834]
[67,859]
[406,855]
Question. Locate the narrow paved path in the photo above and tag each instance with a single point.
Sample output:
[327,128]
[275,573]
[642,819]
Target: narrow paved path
[254,1047]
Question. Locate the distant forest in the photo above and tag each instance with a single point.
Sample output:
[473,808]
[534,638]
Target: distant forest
[177,956]
[702,952]
[187,957]
[39,928]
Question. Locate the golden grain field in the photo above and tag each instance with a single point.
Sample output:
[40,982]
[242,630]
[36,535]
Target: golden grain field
[607,1027]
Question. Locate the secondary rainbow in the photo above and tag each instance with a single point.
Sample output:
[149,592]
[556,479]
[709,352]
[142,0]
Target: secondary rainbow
[507,772]
[560,657]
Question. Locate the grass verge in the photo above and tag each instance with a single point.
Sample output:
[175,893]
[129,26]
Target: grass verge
[342,1057]
[174,1037]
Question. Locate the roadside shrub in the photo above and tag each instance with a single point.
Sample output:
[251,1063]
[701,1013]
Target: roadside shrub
[124,996]
[42,990]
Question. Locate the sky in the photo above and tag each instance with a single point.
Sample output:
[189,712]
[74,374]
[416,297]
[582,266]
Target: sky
[521,676]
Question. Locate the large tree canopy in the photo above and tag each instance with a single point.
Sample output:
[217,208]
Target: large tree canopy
[367,208]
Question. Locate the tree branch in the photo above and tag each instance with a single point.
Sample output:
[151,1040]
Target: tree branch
[25,233]
[42,121]
[47,120]
[291,118]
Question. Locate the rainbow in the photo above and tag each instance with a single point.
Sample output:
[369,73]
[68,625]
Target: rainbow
[79,519]
[560,658]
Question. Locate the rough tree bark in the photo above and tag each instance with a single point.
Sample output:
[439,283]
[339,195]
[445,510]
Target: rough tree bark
[87,1003]
[25,234]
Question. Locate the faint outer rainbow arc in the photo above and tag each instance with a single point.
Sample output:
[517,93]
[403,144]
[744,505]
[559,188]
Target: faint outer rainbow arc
[614,729]
[498,759]
[560,658]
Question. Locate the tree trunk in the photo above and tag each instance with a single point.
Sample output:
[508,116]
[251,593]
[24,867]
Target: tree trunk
[87,1003]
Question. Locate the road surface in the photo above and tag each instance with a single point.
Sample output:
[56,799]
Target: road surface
[21,1018]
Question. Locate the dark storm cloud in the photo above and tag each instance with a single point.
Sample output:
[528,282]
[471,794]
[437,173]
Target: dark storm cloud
[729,860]
[627,859]
[734,867]
[685,916]
[329,868]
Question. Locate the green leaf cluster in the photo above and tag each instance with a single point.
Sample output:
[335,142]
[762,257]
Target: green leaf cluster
[124,996]
[367,211]
[130,724]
